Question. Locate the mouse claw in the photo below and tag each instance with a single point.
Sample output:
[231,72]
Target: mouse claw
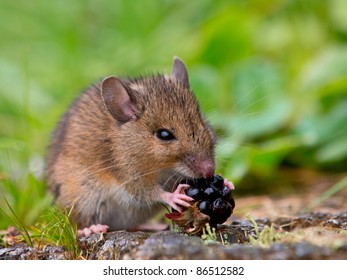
[88,231]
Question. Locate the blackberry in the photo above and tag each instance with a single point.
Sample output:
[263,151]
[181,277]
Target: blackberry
[205,207]
[217,181]
[232,203]
[195,193]
[221,211]
[225,193]
[211,192]
[212,196]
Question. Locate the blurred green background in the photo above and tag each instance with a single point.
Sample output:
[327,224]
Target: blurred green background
[270,75]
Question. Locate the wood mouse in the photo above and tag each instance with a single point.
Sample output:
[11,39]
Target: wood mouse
[120,149]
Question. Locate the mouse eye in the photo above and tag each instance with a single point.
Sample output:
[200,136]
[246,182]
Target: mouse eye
[165,135]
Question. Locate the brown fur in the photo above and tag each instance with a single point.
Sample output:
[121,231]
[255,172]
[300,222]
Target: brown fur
[112,171]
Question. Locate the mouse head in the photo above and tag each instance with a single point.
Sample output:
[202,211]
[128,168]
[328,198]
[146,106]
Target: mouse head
[158,124]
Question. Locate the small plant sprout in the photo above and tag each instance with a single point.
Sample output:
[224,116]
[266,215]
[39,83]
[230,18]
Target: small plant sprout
[208,234]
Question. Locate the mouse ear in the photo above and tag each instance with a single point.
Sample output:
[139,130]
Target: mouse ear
[117,100]
[179,72]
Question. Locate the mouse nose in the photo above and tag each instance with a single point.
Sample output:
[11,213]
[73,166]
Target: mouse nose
[206,168]
[203,167]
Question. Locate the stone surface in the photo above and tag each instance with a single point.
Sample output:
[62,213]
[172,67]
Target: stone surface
[310,236]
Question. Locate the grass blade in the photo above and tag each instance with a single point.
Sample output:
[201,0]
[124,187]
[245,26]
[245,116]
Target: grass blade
[329,193]
[17,223]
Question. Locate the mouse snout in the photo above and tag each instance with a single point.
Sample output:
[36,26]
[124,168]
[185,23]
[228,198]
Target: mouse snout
[206,168]
[202,167]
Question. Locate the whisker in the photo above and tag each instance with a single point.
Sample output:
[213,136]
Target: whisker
[172,176]
[141,175]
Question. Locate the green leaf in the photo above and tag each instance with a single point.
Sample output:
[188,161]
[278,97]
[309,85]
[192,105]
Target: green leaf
[334,150]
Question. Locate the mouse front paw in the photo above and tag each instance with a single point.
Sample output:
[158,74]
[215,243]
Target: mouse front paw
[177,198]
[229,184]
[88,231]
